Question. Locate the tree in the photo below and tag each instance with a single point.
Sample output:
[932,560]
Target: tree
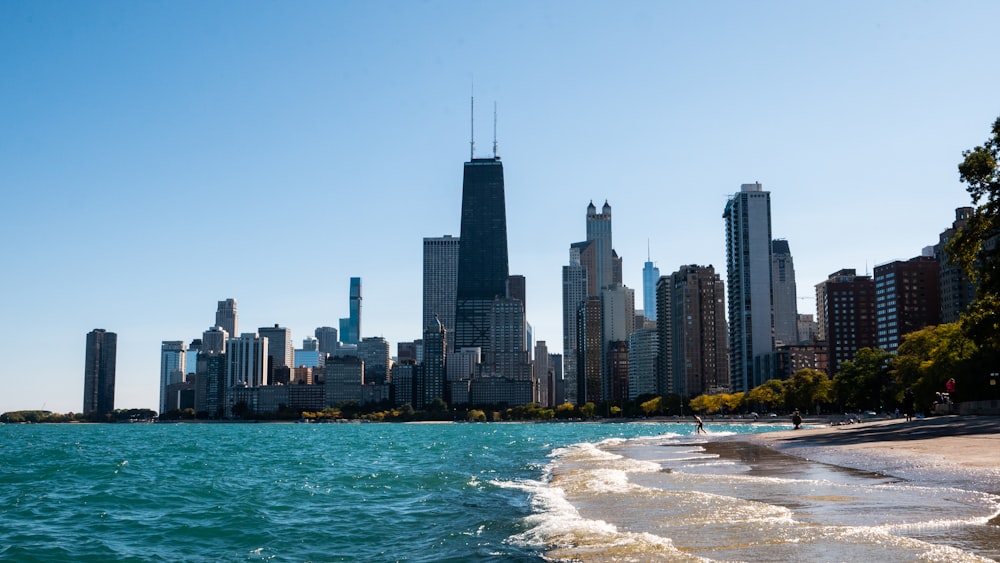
[769,394]
[806,389]
[864,383]
[651,406]
[975,247]
[927,358]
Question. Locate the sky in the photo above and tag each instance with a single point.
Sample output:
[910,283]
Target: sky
[157,157]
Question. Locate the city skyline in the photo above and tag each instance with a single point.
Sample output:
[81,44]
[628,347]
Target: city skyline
[172,128]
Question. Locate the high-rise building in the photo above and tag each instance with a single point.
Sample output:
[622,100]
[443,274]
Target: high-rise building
[593,266]
[173,365]
[226,317]
[99,372]
[482,256]
[845,304]
[350,327]
[543,381]
[374,350]
[327,337]
[748,266]
[441,283]
[907,299]
[664,355]
[617,324]
[508,356]
[247,361]
[214,340]
[433,373]
[650,274]
[643,349]
[957,290]
[210,389]
[783,294]
[599,231]
[698,329]
[808,328]
[280,348]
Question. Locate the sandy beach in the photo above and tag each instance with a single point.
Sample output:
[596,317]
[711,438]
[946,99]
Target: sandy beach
[964,449]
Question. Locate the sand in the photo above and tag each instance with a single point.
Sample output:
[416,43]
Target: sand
[964,450]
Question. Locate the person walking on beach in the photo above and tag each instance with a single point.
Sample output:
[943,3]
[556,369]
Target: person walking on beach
[796,419]
[701,426]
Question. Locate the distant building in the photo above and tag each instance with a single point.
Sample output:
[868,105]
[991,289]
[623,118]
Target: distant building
[697,322]
[664,331]
[957,290]
[845,303]
[280,349]
[210,384]
[214,340]
[226,317]
[650,275]
[907,299]
[786,329]
[748,264]
[343,380]
[482,258]
[350,327]
[643,349]
[542,375]
[173,366]
[808,328]
[247,361]
[374,350]
[99,372]
[434,370]
[617,323]
[441,282]
[327,338]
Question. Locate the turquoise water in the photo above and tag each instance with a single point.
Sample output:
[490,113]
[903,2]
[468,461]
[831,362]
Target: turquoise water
[458,492]
[276,492]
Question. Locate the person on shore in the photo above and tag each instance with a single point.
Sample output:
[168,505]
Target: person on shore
[908,404]
[797,419]
[701,426]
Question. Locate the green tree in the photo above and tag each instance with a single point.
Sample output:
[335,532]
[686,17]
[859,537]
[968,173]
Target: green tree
[651,406]
[927,358]
[975,247]
[769,394]
[566,411]
[808,389]
[864,383]
[587,410]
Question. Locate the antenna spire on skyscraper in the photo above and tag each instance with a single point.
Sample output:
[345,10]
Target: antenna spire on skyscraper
[472,125]
[495,130]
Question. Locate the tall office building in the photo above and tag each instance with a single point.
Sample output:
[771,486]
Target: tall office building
[441,283]
[225,316]
[509,354]
[280,348]
[173,364]
[748,266]
[99,372]
[786,314]
[845,306]
[374,351]
[350,327]
[650,274]
[432,375]
[214,340]
[907,299]
[593,266]
[617,324]
[482,255]
[643,349]
[697,322]
[247,361]
[599,231]
[544,383]
[327,337]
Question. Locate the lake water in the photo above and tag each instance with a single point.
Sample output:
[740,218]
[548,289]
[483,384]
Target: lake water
[460,492]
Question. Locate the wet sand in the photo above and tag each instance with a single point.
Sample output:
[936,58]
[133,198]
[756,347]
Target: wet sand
[963,451]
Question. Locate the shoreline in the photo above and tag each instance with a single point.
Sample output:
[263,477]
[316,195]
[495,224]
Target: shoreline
[963,451]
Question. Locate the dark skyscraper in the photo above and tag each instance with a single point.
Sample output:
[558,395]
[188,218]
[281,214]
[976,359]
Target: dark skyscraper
[482,256]
[99,372]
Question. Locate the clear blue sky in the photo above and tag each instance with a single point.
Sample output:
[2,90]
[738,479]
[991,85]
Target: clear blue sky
[156,157]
